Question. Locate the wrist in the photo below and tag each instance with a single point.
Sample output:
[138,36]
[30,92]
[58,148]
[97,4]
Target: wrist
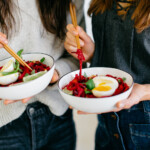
[57,72]
[145,91]
[55,77]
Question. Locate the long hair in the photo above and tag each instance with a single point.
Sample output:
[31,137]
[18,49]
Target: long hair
[7,20]
[141,14]
[53,14]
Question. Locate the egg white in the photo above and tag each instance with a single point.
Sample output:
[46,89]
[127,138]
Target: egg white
[8,79]
[8,67]
[105,82]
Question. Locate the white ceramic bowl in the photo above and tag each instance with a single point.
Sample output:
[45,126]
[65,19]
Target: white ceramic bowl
[95,105]
[30,88]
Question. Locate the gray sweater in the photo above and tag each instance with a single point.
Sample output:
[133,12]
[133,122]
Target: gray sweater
[32,37]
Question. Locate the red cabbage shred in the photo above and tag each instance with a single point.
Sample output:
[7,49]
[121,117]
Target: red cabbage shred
[78,86]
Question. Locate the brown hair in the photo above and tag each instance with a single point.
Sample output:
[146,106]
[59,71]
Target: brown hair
[6,17]
[53,14]
[141,14]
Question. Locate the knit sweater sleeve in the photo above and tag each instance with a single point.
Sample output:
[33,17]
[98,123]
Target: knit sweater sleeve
[51,96]
[65,64]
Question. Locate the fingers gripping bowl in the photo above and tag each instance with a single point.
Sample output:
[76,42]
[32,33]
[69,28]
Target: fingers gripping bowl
[95,105]
[31,88]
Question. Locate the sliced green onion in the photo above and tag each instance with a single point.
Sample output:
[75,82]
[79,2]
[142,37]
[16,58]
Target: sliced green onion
[20,52]
[20,70]
[17,64]
[8,73]
[14,64]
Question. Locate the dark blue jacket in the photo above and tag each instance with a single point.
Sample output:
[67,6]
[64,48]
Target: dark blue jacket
[118,45]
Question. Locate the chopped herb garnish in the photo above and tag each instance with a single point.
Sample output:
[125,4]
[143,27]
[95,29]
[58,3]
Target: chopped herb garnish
[42,60]
[26,74]
[87,92]
[90,84]
[124,79]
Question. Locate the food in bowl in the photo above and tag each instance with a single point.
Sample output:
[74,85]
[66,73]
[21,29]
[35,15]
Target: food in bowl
[95,104]
[96,86]
[13,73]
[33,87]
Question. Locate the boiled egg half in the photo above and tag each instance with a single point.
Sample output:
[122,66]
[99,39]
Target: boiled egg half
[8,67]
[104,86]
[8,79]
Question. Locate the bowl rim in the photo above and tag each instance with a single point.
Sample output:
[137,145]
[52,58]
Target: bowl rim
[53,64]
[97,98]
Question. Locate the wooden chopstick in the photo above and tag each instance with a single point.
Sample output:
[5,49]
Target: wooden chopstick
[74,22]
[13,53]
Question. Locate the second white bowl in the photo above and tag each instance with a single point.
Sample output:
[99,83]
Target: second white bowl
[95,105]
[31,88]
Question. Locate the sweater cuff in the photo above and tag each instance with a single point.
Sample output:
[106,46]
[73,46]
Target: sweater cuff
[52,98]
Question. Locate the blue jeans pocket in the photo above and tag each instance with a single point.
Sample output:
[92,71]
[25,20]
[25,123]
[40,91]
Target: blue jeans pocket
[140,135]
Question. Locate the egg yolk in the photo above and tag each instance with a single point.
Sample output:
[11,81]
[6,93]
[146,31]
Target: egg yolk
[101,87]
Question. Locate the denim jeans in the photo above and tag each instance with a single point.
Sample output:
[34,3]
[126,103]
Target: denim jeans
[125,130]
[38,129]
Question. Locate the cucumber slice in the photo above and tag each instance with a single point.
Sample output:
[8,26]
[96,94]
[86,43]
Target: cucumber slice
[33,76]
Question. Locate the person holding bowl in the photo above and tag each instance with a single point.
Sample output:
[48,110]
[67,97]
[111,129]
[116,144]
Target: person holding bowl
[43,121]
[121,30]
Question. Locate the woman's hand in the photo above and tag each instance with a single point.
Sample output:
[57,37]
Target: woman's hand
[55,77]
[3,39]
[6,102]
[139,93]
[86,43]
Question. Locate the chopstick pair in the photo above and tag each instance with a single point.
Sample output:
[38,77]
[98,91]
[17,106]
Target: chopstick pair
[74,22]
[13,53]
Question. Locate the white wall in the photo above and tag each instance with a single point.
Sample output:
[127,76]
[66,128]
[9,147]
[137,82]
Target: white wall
[88,19]
[85,128]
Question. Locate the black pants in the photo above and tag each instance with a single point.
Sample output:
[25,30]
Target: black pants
[38,129]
